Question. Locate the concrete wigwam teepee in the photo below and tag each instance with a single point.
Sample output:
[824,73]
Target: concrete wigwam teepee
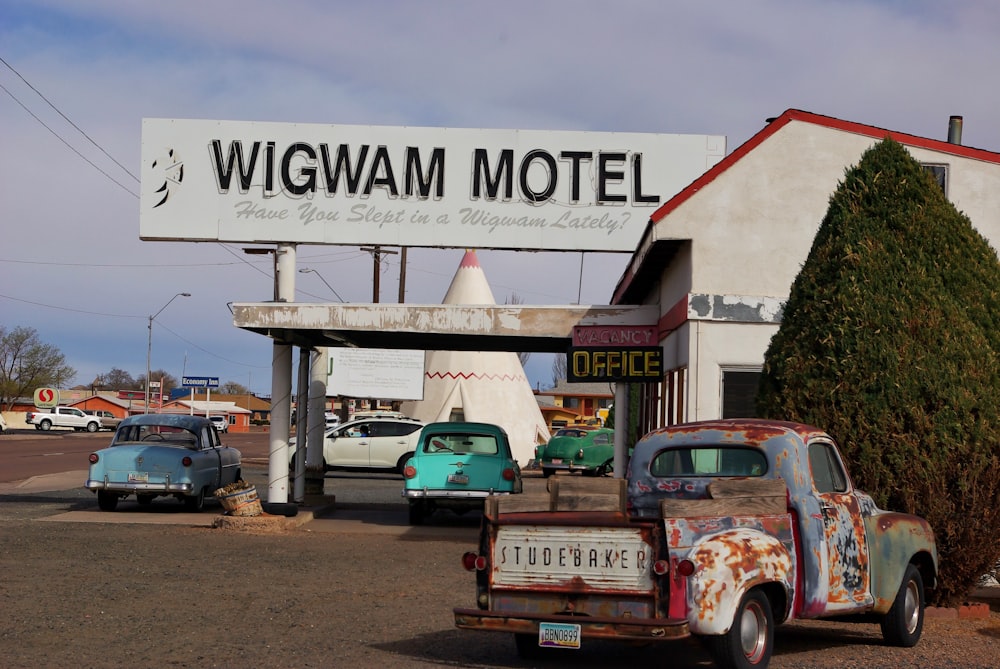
[482,386]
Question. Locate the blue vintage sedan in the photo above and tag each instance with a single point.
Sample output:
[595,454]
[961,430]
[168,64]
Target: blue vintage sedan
[163,455]
[456,466]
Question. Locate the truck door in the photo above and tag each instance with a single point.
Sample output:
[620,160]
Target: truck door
[844,559]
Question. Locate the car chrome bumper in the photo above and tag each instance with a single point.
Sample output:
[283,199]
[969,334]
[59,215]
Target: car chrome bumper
[567,467]
[593,627]
[428,493]
[137,486]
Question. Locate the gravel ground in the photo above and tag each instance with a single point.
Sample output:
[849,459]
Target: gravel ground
[112,595]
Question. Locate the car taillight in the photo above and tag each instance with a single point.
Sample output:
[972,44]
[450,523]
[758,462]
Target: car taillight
[473,562]
[409,471]
[508,474]
[661,567]
[186,461]
[93,458]
[685,567]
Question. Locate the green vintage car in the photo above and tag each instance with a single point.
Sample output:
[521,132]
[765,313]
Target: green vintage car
[579,449]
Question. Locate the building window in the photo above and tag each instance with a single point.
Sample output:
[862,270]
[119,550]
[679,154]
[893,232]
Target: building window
[739,393]
[940,173]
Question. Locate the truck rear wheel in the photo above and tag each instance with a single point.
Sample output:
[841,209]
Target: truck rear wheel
[750,640]
[45,425]
[904,623]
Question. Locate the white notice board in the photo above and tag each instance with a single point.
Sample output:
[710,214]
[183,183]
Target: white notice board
[377,373]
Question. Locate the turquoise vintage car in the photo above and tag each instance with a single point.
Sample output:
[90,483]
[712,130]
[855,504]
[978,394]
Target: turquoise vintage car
[162,455]
[579,449]
[456,466]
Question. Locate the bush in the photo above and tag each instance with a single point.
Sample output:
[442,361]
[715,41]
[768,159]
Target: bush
[890,341]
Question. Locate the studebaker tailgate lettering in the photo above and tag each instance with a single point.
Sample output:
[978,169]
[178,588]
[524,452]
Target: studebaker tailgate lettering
[602,558]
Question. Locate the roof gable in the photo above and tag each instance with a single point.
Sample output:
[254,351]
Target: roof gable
[646,251]
[828,122]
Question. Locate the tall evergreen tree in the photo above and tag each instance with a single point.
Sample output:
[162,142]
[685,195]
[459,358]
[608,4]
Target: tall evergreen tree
[891,341]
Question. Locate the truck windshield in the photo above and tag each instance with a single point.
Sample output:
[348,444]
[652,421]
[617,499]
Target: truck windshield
[709,461]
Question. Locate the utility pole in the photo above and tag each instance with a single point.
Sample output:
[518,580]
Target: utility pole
[402,274]
[377,253]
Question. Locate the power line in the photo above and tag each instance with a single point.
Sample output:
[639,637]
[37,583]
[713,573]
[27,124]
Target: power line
[214,355]
[68,145]
[79,311]
[67,119]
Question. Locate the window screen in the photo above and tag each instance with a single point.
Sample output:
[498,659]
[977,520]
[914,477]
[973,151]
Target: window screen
[739,394]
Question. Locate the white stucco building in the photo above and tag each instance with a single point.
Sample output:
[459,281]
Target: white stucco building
[719,258]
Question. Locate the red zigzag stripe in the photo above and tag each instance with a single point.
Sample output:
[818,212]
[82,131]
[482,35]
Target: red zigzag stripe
[478,377]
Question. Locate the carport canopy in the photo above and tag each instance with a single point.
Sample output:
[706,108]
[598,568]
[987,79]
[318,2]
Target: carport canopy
[438,327]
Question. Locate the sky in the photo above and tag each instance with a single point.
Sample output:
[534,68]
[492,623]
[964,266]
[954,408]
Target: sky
[78,77]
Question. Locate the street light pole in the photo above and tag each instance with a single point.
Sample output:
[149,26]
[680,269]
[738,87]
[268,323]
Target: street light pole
[149,346]
[307,270]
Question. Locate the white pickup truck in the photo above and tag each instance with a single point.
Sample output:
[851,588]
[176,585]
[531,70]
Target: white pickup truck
[63,417]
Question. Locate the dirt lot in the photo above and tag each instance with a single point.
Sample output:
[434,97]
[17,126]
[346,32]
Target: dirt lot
[113,595]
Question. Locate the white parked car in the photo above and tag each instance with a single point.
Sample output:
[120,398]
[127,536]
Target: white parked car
[368,444]
[221,423]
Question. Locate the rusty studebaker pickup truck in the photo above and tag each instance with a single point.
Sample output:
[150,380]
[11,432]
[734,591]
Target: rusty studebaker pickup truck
[723,529]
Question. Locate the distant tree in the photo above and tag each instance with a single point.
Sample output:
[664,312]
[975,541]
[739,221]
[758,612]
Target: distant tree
[27,363]
[169,380]
[558,368]
[890,340]
[116,379]
[233,388]
[523,356]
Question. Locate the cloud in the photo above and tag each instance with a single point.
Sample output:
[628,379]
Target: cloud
[71,232]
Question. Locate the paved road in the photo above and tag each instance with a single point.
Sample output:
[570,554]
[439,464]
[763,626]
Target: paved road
[34,463]
[28,453]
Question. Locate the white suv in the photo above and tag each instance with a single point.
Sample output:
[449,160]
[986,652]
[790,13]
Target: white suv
[221,423]
[368,444]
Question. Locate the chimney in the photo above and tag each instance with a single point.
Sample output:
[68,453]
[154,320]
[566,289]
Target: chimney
[955,130]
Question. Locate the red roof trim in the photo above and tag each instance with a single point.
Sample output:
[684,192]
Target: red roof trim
[825,121]
[675,317]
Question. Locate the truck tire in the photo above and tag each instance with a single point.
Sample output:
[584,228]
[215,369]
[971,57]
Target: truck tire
[904,623]
[45,425]
[750,640]
[93,427]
